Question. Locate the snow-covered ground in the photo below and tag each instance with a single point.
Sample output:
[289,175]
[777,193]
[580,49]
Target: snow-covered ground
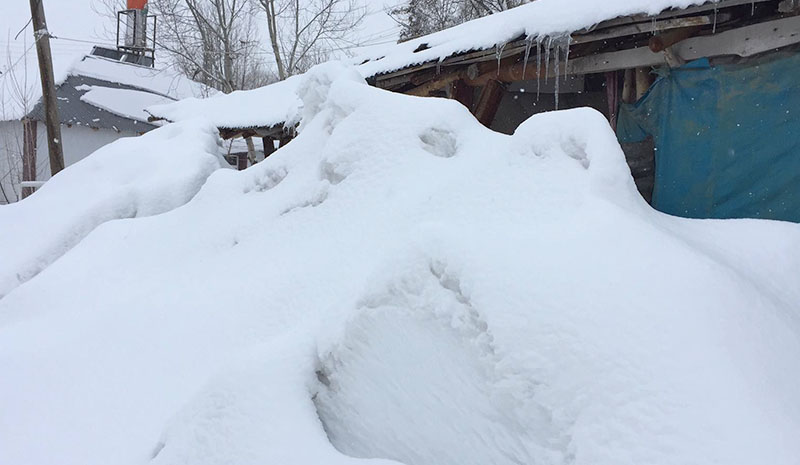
[401,283]
[129,178]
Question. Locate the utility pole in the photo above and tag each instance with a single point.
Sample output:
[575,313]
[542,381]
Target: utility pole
[53,123]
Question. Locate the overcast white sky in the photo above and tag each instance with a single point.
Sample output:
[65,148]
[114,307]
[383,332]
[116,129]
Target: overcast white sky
[75,19]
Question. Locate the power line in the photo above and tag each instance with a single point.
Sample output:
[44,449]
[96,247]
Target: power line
[13,65]
[26,24]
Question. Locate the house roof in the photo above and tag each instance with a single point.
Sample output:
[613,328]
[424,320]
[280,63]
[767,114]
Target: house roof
[105,94]
[540,18]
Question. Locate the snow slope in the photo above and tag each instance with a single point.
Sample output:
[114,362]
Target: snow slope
[401,283]
[132,177]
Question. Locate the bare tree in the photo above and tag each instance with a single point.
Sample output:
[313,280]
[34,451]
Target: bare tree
[17,97]
[303,33]
[421,17]
[215,42]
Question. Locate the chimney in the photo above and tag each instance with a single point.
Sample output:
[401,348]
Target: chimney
[136,24]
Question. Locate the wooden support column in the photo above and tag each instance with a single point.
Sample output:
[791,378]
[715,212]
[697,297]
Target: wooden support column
[643,81]
[629,86]
[489,102]
[269,146]
[612,96]
[251,150]
[462,93]
[28,154]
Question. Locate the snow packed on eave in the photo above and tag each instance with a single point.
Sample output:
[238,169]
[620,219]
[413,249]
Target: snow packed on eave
[278,103]
[266,106]
[126,103]
[540,18]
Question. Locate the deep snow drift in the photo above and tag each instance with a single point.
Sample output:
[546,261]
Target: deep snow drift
[125,179]
[401,283]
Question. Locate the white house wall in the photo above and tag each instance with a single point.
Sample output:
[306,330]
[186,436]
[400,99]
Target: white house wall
[78,142]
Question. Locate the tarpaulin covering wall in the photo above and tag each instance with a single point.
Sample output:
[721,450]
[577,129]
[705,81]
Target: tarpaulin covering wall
[727,138]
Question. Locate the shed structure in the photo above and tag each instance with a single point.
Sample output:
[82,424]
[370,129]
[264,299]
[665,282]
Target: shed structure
[702,93]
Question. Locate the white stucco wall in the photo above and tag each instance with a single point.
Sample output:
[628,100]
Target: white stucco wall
[78,142]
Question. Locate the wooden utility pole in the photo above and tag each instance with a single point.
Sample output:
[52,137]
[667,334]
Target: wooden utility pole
[51,120]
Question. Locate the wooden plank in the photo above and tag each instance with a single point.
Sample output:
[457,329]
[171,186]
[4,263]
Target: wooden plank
[489,102]
[440,82]
[708,6]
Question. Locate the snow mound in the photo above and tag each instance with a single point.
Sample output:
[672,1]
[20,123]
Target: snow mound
[132,177]
[401,283]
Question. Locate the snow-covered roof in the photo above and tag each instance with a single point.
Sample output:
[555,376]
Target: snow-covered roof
[536,19]
[270,105]
[160,81]
[127,103]
[102,93]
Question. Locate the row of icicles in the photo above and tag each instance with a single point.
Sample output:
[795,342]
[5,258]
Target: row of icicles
[549,49]
[556,49]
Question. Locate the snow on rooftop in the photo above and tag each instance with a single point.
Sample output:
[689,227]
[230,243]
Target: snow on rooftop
[399,282]
[123,102]
[535,19]
[162,81]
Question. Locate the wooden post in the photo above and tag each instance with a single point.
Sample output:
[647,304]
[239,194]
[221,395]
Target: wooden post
[269,146]
[251,150]
[53,123]
[489,102]
[28,154]
[629,86]
[612,96]
[462,93]
[643,81]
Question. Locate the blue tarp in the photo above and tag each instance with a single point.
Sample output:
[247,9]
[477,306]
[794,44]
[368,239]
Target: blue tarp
[727,138]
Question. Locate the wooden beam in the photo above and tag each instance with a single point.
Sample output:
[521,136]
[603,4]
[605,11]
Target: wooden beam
[661,42]
[489,102]
[440,82]
[744,42]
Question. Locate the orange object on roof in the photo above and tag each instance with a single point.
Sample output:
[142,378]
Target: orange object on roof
[136,4]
